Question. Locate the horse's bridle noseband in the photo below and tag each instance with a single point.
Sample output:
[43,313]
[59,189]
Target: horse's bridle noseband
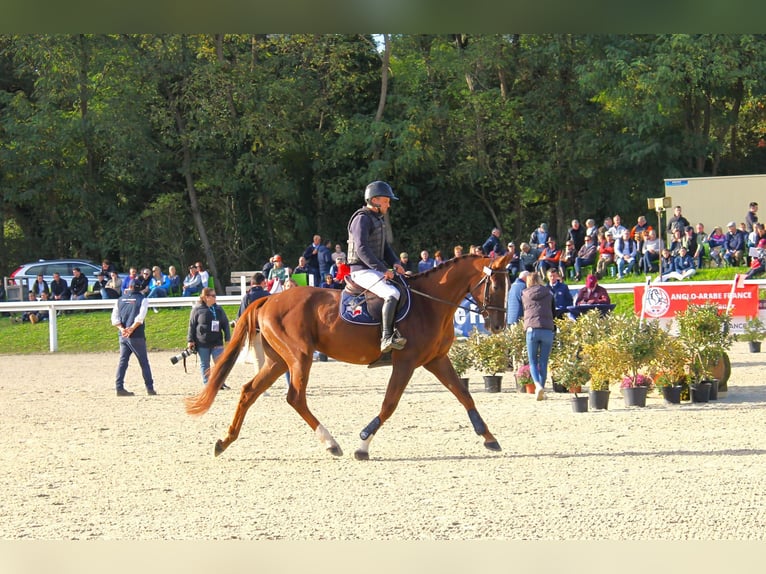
[484,308]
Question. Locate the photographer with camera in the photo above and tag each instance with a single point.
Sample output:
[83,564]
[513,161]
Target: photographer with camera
[208,329]
[128,316]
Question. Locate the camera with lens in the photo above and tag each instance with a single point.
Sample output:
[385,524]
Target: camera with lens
[183,354]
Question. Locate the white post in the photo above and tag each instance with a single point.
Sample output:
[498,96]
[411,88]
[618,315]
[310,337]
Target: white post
[53,335]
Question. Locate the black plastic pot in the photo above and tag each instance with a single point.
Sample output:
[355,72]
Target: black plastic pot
[755,346]
[492,383]
[672,395]
[599,400]
[700,392]
[634,396]
[580,404]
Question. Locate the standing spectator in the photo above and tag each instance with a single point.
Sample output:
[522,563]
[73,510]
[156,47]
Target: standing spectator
[539,237]
[78,287]
[113,287]
[752,217]
[40,286]
[268,266]
[515,309]
[650,254]
[576,234]
[538,323]
[562,296]
[617,227]
[193,282]
[404,261]
[425,262]
[257,290]
[324,257]
[678,221]
[701,237]
[208,330]
[278,272]
[493,246]
[311,253]
[128,316]
[338,252]
[585,256]
[302,266]
[733,251]
[625,254]
[159,284]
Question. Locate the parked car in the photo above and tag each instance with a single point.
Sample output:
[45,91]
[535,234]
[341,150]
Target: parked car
[48,267]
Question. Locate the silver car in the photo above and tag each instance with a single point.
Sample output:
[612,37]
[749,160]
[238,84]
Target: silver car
[47,267]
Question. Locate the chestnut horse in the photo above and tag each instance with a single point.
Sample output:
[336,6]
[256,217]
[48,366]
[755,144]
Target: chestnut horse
[295,323]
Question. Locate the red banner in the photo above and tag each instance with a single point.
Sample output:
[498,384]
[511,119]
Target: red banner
[663,300]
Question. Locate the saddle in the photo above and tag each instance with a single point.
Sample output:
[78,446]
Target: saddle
[362,307]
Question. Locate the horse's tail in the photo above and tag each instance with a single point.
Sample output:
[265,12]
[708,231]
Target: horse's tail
[245,329]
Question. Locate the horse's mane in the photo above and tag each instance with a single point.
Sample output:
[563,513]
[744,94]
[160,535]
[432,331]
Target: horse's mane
[439,268]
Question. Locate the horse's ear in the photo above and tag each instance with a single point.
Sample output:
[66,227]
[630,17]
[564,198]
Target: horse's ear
[501,262]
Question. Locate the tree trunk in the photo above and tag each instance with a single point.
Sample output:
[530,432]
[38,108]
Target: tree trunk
[386,60]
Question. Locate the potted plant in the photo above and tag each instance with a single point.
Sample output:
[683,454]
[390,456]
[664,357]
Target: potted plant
[516,344]
[460,359]
[524,378]
[635,389]
[489,354]
[754,331]
[570,366]
[668,369]
[705,335]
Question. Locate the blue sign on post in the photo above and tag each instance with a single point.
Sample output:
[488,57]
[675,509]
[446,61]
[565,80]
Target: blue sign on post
[466,321]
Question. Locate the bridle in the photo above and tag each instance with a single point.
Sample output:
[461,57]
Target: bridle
[484,308]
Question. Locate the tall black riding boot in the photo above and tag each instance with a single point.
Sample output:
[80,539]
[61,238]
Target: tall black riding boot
[391,339]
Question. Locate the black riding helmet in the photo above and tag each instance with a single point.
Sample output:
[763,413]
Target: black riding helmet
[378,189]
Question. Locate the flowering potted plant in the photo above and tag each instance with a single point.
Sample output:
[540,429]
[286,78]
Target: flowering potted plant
[524,378]
[634,389]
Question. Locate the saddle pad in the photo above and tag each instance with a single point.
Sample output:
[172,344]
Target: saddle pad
[365,309]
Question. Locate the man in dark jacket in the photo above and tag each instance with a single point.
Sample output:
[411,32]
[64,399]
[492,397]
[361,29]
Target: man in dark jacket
[562,296]
[78,287]
[734,245]
[515,309]
[257,290]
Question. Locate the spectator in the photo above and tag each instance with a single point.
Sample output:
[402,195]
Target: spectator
[438,259]
[549,258]
[59,288]
[514,265]
[617,228]
[715,242]
[625,254]
[425,262]
[176,287]
[338,252]
[667,264]
[324,258]
[278,272]
[539,237]
[637,232]
[676,241]
[78,287]
[591,230]
[733,251]
[515,309]
[208,330]
[98,286]
[107,268]
[576,234]
[457,251]
[127,284]
[204,276]
[568,256]
[527,257]
[701,238]
[683,264]
[585,256]
[538,323]
[678,221]
[605,253]
[159,283]
[38,315]
[311,253]
[330,283]
[267,266]
[40,286]
[562,296]
[257,290]
[404,261]
[592,293]
[752,217]
[128,316]
[113,287]
[146,278]
[302,266]
[689,240]
[651,252]
[758,264]
[476,250]
[493,246]
[193,282]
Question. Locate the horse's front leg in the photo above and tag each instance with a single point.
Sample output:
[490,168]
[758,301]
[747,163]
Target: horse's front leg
[400,376]
[442,368]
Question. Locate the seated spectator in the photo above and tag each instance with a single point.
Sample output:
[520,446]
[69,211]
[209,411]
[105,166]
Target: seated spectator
[637,232]
[476,250]
[78,287]
[330,283]
[562,296]
[176,287]
[758,264]
[625,254]
[676,240]
[278,271]
[146,276]
[605,253]
[97,287]
[549,258]
[59,288]
[127,283]
[457,251]
[733,251]
[667,263]
[438,259]
[107,268]
[527,257]
[39,287]
[592,293]
[404,261]
[204,276]
[514,265]
[585,256]
[159,283]
[342,270]
[36,316]
[302,266]
[539,237]
[715,242]
[689,240]
[113,287]
[650,254]
[683,266]
[568,256]
[193,282]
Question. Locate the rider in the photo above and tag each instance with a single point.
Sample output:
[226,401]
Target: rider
[371,258]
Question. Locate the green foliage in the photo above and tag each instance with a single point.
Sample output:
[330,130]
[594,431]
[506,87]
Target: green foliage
[460,357]
[488,353]
[705,333]
[753,331]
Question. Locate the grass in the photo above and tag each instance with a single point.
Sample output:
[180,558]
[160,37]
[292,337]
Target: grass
[91,331]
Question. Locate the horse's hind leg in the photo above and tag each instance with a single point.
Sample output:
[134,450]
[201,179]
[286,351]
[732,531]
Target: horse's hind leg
[444,371]
[263,379]
[296,397]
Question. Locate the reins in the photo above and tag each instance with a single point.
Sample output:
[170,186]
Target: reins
[484,307]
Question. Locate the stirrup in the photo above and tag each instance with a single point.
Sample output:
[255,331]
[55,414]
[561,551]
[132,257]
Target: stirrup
[393,342]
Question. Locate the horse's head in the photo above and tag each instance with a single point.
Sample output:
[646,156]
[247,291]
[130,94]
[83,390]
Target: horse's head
[491,291]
